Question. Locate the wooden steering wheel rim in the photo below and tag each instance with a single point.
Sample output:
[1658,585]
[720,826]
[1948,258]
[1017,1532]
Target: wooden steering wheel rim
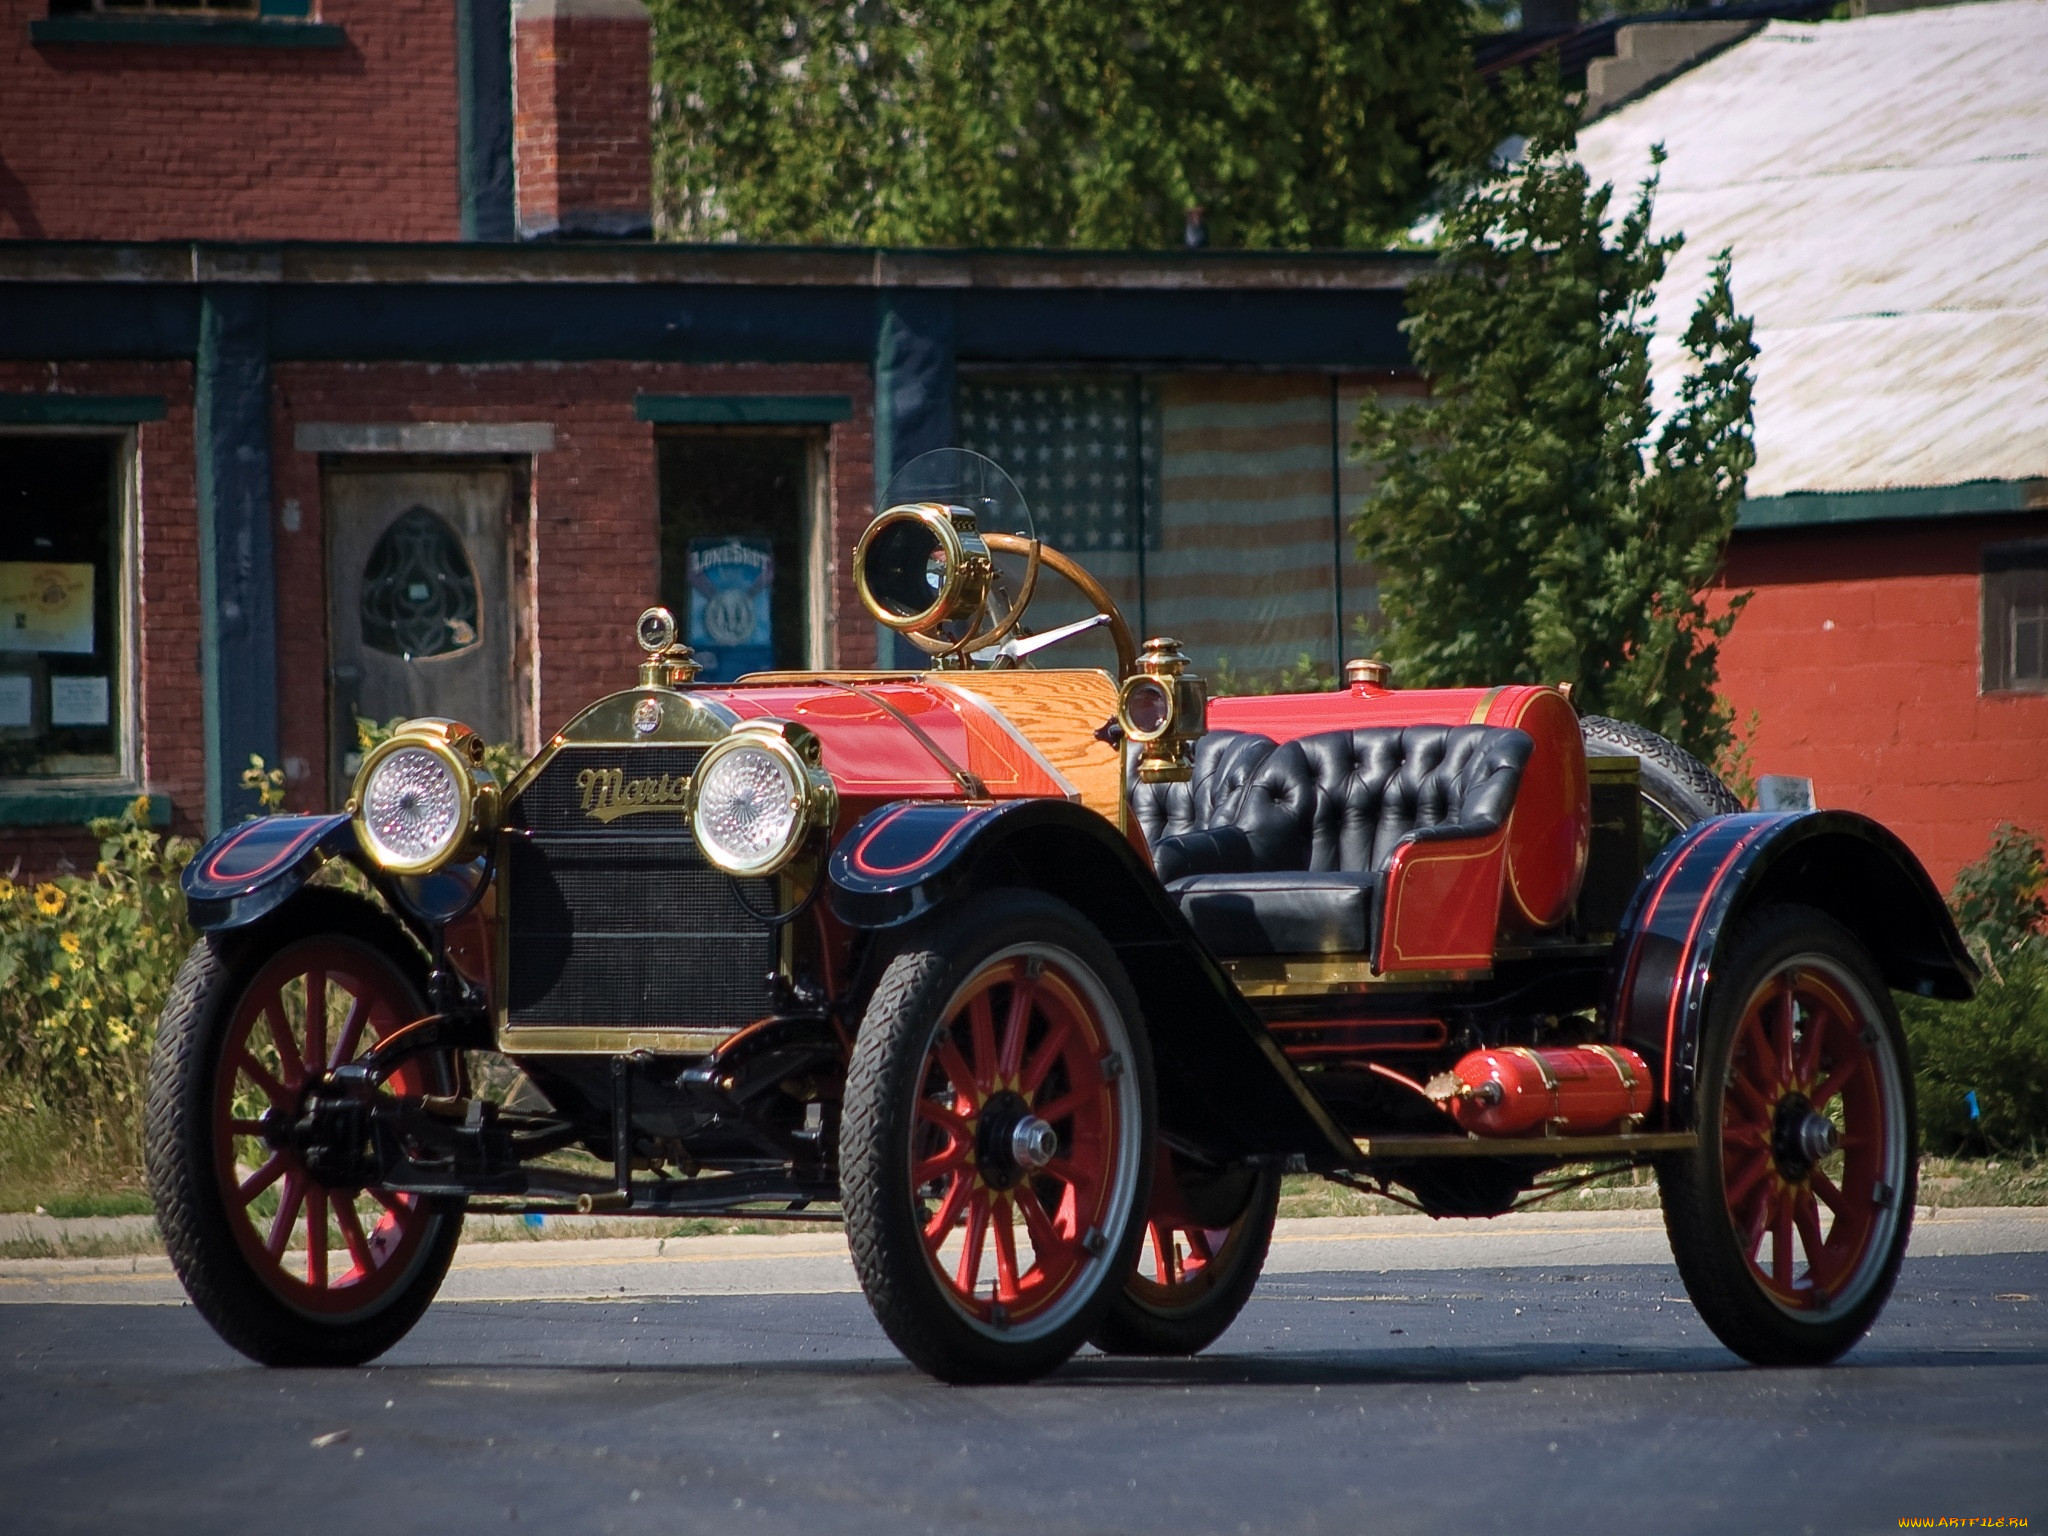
[1119,632]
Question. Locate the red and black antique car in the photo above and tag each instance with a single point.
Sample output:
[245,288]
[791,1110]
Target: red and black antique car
[1039,979]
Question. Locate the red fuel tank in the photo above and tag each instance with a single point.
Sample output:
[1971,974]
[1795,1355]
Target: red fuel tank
[1516,1090]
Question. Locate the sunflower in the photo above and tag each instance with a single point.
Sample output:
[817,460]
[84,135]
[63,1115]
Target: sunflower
[68,942]
[6,889]
[49,900]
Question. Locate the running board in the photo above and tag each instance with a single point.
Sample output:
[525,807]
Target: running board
[1566,1149]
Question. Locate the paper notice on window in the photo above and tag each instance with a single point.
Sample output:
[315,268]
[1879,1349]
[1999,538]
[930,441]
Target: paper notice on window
[78,701]
[45,607]
[17,701]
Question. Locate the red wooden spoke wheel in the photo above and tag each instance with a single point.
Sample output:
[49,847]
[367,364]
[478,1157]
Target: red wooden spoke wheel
[995,1150]
[1206,1236]
[1807,1154]
[289,1268]
[315,1006]
[1790,1223]
[1019,1134]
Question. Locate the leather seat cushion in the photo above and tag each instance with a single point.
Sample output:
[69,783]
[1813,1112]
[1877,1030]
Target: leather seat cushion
[1285,912]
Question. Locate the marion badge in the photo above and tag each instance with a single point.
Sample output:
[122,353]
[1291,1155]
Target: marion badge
[608,794]
[647,716]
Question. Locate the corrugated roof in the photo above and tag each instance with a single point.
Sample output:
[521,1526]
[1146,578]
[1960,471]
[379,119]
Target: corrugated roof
[1883,183]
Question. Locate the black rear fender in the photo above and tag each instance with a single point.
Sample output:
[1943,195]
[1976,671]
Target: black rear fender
[1223,1084]
[1706,883]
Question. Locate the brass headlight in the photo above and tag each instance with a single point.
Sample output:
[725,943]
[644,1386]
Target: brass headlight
[921,565]
[759,796]
[422,799]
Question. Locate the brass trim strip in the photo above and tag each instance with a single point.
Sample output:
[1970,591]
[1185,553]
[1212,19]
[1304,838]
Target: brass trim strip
[591,1040]
[1562,1148]
[1317,976]
[1485,706]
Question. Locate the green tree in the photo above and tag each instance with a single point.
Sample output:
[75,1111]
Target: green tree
[1535,523]
[1050,122]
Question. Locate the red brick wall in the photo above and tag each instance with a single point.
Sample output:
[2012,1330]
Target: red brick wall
[594,504]
[152,143]
[580,134]
[173,748]
[1860,654]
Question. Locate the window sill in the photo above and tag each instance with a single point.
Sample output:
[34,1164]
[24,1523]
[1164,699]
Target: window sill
[75,807]
[181,32]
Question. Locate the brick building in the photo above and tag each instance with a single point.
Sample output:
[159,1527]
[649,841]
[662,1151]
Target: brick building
[334,381]
[1882,183]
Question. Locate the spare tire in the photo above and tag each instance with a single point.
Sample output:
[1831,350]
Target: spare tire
[1678,789]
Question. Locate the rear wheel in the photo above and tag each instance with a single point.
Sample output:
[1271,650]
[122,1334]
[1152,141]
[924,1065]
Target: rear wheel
[995,1149]
[1790,1221]
[287,1269]
[1205,1242]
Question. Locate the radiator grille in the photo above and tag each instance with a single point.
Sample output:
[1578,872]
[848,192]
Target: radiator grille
[623,924]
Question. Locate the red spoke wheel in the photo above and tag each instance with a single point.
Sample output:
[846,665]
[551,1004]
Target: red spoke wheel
[994,1153]
[289,1269]
[1206,1235]
[1790,1222]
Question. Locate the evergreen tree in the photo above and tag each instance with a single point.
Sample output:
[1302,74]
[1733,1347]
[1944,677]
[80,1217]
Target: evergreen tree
[1050,122]
[1533,523]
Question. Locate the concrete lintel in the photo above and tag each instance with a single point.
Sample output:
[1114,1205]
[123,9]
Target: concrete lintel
[424,437]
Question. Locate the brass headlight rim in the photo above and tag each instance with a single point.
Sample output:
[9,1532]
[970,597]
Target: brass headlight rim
[812,788]
[476,788]
[1123,714]
[939,521]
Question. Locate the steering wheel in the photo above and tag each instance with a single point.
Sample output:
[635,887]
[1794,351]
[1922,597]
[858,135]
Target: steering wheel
[1037,552]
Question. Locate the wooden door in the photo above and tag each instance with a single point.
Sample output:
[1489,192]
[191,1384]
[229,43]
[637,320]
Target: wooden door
[419,592]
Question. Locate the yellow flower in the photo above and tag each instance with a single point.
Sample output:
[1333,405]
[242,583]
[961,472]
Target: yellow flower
[68,942]
[6,889]
[55,982]
[83,1053]
[49,900]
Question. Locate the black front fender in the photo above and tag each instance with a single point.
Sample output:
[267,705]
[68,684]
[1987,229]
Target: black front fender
[248,872]
[1224,1085]
[1697,893]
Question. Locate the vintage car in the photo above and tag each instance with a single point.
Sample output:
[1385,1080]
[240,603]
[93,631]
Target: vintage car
[1038,979]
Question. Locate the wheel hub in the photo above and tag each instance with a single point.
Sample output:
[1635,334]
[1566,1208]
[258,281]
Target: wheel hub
[1801,1136]
[1010,1141]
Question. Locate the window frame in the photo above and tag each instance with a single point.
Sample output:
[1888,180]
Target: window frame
[126,673]
[1999,564]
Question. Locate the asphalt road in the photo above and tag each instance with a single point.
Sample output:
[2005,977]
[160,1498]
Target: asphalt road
[1515,1393]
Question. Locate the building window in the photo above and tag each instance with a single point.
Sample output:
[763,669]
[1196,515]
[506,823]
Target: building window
[63,673]
[2016,617]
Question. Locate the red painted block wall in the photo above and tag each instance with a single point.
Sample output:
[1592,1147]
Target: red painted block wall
[1859,653]
[173,750]
[133,142]
[593,521]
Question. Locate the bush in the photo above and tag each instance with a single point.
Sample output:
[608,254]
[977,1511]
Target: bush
[1982,1066]
[85,964]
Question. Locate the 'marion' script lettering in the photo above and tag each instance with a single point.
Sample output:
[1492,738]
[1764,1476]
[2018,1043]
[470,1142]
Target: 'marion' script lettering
[608,794]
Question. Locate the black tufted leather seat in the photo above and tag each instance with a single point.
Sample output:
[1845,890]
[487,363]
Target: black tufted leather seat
[1295,864]
[1224,761]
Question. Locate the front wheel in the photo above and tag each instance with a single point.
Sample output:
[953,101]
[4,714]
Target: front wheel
[287,1269]
[1790,1221]
[1206,1237]
[995,1151]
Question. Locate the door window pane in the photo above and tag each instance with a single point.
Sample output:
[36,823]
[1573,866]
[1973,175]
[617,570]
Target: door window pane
[736,501]
[61,671]
[419,594]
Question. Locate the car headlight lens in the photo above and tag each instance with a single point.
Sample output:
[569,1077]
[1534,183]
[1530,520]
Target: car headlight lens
[756,798]
[748,811]
[412,807]
[420,801]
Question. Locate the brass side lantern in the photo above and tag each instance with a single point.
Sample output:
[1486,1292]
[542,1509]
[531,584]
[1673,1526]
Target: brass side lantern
[1164,709]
